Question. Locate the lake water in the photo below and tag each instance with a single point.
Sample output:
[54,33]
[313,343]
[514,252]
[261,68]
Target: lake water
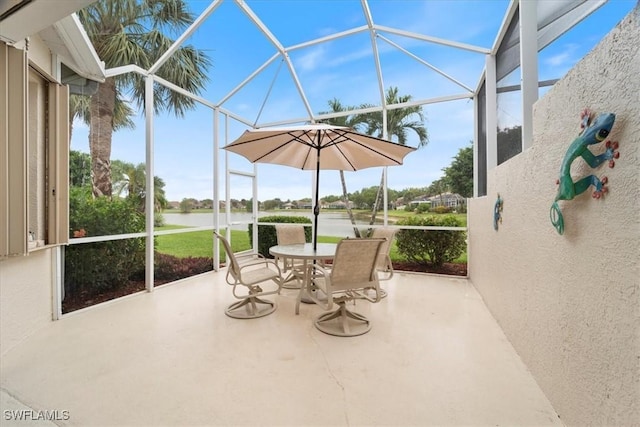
[329,223]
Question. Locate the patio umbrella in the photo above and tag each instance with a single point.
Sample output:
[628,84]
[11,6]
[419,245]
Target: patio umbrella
[317,147]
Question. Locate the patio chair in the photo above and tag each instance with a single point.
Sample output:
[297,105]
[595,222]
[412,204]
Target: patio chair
[352,272]
[245,273]
[384,267]
[288,234]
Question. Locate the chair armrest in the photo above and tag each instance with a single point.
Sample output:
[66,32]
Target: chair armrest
[264,261]
[249,255]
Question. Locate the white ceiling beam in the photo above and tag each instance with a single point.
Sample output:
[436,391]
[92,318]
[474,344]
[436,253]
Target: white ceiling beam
[374,48]
[249,78]
[265,30]
[329,38]
[184,92]
[420,60]
[435,40]
[176,45]
[116,71]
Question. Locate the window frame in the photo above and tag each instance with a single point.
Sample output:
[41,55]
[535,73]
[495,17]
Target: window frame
[17,115]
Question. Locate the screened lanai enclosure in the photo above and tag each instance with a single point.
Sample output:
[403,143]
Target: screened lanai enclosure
[291,63]
[400,71]
[541,327]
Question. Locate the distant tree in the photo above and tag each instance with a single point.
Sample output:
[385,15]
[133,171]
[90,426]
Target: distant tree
[368,196]
[270,205]
[353,121]
[79,169]
[358,199]
[131,183]
[186,205]
[331,199]
[393,196]
[437,187]
[458,177]
[412,193]
[400,122]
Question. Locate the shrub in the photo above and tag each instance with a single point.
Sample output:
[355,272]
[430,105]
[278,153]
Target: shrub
[170,268]
[423,207]
[441,210]
[431,246]
[158,220]
[267,233]
[101,266]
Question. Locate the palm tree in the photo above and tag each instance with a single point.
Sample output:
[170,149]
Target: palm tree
[352,121]
[130,182]
[79,106]
[127,32]
[399,123]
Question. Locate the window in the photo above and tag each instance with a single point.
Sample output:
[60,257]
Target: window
[33,156]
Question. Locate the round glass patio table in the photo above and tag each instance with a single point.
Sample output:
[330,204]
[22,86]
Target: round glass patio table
[306,253]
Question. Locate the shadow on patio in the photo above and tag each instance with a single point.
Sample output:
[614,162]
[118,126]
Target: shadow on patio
[435,356]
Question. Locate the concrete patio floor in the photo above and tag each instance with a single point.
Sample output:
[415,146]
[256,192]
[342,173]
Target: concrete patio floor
[434,357]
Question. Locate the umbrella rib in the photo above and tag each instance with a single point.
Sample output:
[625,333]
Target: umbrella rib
[347,138]
[294,139]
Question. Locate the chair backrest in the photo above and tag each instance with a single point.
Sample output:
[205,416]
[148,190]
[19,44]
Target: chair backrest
[386,233]
[354,265]
[234,267]
[288,234]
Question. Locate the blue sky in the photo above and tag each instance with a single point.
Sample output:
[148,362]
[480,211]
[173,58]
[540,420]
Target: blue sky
[342,69]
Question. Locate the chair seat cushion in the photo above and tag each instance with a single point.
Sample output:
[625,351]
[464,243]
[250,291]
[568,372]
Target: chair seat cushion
[258,275]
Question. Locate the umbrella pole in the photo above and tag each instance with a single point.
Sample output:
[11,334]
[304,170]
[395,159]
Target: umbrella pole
[316,208]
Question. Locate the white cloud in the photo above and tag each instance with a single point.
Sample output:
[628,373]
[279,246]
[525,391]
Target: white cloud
[311,58]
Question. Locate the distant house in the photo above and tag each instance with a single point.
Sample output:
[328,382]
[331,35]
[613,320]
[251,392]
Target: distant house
[288,205]
[339,204]
[449,200]
[420,201]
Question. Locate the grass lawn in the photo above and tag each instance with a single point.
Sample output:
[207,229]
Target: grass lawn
[200,244]
[197,243]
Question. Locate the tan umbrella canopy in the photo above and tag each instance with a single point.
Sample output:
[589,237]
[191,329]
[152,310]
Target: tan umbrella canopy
[317,147]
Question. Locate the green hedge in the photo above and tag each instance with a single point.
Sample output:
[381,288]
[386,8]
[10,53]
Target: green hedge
[100,266]
[431,246]
[267,233]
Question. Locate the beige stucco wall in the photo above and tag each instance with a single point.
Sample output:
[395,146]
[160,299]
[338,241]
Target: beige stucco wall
[25,296]
[570,304]
[26,282]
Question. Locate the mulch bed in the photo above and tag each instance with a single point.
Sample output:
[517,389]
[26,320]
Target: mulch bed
[449,269]
[85,299]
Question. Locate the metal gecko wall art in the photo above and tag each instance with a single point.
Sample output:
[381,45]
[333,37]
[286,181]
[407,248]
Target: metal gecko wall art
[497,212]
[594,131]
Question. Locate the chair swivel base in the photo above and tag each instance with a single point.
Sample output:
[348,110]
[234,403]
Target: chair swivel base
[292,281]
[343,323]
[249,308]
[382,292]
